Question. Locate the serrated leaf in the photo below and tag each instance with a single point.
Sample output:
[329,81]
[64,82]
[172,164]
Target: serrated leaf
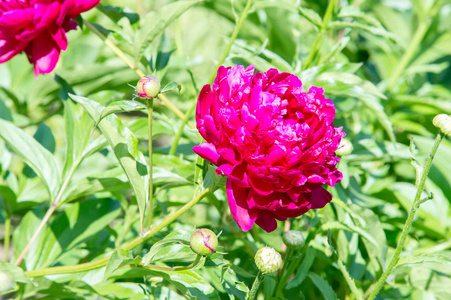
[135,169]
[155,22]
[323,286]
[34,154]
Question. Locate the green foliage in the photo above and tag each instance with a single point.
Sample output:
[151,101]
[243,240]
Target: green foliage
[72,144]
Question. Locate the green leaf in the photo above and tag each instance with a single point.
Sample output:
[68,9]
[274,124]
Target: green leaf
[155,22]
[213,180]
[172,247]
[15,274]
[118,259]
[225,281]
[424,258]
[121,106]
[323,286]
[171,86]
[311,16]
[77,125]
[34,154]
[304,269]
[189,283]
[135,169]
[337,25]
[78,222]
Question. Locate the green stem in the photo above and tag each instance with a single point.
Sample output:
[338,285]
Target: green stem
[232,39]
[314,52]
[149,207]
[137,241]
[296,263]
[405,231]
[7,230]
[258,280]
[180,131]
[286,259]
[132,66]
[414,45]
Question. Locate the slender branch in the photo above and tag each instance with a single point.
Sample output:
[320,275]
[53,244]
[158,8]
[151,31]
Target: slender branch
[137,241]
[232,39]
[405,231]
[149,206]
[258,280]
[49,212]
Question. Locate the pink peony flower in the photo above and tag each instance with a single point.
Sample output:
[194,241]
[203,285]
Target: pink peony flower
[275,143]
[38,27]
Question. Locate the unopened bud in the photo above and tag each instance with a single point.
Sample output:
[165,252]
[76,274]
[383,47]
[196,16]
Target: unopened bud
[268,260]
[344,148]
[148,87]
[204,242]
[443,122]
[294,239]
[6,283]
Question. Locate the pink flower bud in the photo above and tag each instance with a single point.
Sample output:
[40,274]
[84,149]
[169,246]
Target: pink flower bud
[148,87]
[204,242]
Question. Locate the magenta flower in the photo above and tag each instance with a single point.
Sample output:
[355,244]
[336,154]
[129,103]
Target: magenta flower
[275,143]
[38,27]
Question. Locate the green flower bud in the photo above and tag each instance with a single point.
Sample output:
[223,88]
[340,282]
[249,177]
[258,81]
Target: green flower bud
[204,242]
[294,239]
[344,148]
[148,87]
[268,260]
[443,122]
[6,283]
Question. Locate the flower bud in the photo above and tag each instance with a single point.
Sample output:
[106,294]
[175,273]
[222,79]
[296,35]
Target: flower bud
[344,148]
[268,260]
[148,87]
[443,122]
[294,239]
[204,242]
[6,283]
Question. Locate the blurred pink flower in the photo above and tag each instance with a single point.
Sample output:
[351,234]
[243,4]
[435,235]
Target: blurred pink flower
[274,142]
[38,27]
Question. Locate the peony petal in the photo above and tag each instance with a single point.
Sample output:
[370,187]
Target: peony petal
[208,152]
[320,197]
[10,48]
[244,217]
[266,220]
[43,53]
